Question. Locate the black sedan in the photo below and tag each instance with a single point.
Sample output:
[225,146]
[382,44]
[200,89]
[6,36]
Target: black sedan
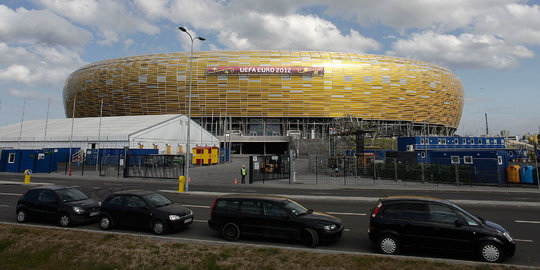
[143,209]
[66,205]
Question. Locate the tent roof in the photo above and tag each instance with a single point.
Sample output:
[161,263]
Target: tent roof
[114,126]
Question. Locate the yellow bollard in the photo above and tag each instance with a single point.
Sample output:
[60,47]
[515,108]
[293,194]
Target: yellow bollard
[27,174]
[181,183]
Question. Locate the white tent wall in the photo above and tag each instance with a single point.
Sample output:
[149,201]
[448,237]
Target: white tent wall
[116,132]
[172,133]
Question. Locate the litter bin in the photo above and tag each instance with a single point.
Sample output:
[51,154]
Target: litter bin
[526,174]
[512,173]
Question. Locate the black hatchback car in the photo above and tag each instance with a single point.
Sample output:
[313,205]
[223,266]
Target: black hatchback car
[436,224]
[143,209]
[274,216]
[66,205]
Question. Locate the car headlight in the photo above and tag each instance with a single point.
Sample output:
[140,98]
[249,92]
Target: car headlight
[508,237]
[78,210]
[174,217]
[330,227]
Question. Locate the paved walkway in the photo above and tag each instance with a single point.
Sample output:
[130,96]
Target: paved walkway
[224,174]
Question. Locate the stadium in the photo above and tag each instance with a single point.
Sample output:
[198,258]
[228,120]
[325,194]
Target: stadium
[257,100]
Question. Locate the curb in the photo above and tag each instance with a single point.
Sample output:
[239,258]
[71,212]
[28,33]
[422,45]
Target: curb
[359,199]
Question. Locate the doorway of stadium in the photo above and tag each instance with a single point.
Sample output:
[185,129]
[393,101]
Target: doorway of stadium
[260,148]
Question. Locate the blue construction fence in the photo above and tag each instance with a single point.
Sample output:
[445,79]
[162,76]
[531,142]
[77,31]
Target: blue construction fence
[39,160]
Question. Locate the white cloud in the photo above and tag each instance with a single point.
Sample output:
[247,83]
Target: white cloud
[18,73]
[516,23]
[127,43]
[111,18]
[267,31]
[258,25]
[30,94]
[460,33]
[39,26]
[442,15]
[462,51]
[37,65]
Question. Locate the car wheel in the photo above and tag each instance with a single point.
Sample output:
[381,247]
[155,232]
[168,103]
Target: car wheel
[490,252]
[158,227]
[105,223]
[231,232]
[22,216]
[309,237]
[64,220]
[388,244]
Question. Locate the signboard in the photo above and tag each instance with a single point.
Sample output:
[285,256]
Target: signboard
[266,70]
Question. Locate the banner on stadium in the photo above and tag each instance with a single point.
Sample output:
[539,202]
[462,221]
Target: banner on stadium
[266,70]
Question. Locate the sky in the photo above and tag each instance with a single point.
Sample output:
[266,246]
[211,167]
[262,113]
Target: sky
[492,45]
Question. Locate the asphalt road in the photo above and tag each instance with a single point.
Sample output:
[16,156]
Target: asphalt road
[351,205]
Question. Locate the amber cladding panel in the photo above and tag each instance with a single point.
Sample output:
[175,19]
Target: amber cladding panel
[371,87]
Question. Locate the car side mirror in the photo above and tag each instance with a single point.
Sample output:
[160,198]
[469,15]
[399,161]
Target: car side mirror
[458,223]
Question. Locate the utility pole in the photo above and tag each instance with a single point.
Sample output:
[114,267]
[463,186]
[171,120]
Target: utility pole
[487,129]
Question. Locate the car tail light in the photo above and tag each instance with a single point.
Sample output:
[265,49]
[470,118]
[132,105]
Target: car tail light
[212,210]
[376,210]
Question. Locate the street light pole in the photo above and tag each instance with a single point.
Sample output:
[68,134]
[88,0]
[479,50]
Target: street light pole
[188,154]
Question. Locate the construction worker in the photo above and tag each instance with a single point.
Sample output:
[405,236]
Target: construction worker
[243,171]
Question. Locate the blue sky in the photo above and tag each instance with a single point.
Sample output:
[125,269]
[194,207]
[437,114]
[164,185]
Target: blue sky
[493,46]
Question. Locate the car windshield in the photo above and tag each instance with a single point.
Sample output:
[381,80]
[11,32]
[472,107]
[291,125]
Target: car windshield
[295,208]
[71,195]
[157,200]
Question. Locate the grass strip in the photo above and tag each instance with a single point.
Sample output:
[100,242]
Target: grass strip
[23,247]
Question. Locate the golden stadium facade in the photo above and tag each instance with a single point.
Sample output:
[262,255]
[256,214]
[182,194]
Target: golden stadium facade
[268,94]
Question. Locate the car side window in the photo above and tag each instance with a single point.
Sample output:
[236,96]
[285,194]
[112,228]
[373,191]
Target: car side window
[468,220]
[391,211]
[413,211]
[31,195]
[250,207]
[272,210]
[116,200]
[441,214]
[134,202]
[47,196]
[227,205]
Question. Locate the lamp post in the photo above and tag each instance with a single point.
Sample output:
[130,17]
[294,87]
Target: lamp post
[188,155]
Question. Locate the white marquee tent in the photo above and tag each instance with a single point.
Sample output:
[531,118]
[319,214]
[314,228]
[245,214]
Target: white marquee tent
[166,132]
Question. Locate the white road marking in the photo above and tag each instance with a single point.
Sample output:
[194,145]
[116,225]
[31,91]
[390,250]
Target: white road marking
[200,220]
[3,205]
[196,206]
[347,214]
[527,221]
[346,230]
[523,240]
[11,194]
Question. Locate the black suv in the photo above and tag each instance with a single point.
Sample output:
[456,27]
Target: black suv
[436,224]
[66,205]
[273,216]
[143,209]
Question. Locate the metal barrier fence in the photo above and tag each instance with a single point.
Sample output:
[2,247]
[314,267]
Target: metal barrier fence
[155,166]
[362,171]
[143,166]
[264,168]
